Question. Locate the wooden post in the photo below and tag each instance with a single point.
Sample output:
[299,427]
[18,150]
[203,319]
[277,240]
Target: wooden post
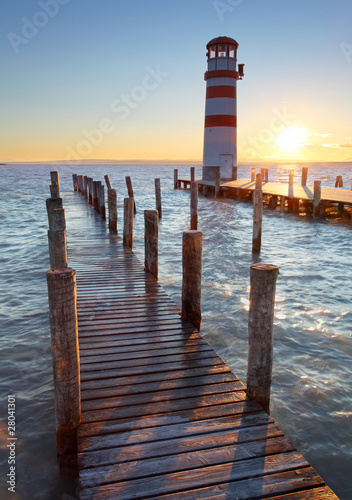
[85,191]
[107,180]
[339,181]
[151,241]
[253,175]
[128,204]
[158,196]
[304,176]
[192,249]
[282,204]
[55,184]
[51,205]
[290,177]
[65,353]
[98,196]
[95,195]
[260,332]
[234,173]
[194,205]
[193,174]
[90,191]
[74,179]
[112,207]
[79,180]
[217,185]
[266,175]
[102,201]
[58,220]
[257,214]
[317,198]
[57,248]
[175,178]
[130,192]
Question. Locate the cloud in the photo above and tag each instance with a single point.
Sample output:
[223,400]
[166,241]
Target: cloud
[315,134]
[331,145]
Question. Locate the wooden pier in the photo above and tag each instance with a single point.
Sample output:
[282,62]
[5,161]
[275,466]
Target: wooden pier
[162,414]
[278,195]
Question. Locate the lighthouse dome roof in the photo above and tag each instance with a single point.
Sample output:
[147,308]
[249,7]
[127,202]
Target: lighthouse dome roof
[222,39]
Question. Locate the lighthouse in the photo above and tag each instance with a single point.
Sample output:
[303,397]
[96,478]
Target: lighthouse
[220,125]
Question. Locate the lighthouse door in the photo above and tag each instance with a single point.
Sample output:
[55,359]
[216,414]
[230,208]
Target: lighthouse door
[226,166]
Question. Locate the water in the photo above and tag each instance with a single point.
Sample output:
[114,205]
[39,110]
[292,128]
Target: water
[311,391]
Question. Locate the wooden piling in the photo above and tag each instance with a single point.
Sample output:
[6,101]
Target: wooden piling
[234,173]
[130,192]
[257,214]
[290,177]
[194,205]
[74,179]
[55,184]
[95,195]
[102,210]
[57,248]
[128,204]
[90,191]
[65,353]
[193,174]
[85,187]
[107,180]
[339,181]
[98,196]
[260,332]
[58,219]
[175,178]
[217,185]
[304,176]
[158,196]
[112,207]
[51,205]
[151,241]
[266,175]
[253,174]
[192,248]
[80,183]
[317,198]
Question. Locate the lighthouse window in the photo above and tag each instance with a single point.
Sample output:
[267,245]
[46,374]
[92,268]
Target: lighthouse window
[222,50]
[232,51]
[212,52]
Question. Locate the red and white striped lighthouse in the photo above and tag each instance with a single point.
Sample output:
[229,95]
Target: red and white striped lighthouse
[220,127]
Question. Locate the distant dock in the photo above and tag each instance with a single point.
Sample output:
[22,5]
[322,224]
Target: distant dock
[310,199]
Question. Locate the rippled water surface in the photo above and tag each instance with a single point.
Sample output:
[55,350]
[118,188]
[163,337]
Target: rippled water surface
[311,391]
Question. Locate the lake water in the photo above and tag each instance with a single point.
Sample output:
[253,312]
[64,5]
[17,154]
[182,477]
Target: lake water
[311,390]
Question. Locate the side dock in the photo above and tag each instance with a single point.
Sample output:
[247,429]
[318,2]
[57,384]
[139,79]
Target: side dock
[162,416]
[310,199]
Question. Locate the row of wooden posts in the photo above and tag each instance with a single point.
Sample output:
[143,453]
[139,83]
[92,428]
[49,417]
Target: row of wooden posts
[61,282]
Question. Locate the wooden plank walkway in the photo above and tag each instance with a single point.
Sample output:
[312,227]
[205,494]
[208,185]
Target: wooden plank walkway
[162,414]
[305,193]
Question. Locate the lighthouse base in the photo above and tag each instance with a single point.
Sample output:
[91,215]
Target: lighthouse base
[209,174]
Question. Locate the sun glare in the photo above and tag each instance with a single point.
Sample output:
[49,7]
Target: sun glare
[290,140]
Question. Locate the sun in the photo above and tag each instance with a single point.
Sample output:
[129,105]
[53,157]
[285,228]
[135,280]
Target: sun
[290,140]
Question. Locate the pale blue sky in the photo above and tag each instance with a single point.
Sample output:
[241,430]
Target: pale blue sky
[88,53]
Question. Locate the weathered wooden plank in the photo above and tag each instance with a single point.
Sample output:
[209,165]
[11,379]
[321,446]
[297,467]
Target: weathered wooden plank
[233,410]
[127,353]
[160,385]
[257,488]
[162,407]
[185,461]
[210,475]
[155,397]
[323,493]
[164,377]
[171,447]
[140,335]
[141,370]
[175,430]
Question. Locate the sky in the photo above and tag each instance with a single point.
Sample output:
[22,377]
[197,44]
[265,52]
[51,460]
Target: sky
[124,80]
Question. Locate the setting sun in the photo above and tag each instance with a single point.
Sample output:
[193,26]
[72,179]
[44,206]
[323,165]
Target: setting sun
[290,140]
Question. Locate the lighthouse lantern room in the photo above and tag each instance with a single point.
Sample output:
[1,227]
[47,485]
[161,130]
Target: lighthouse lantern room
[220,127]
